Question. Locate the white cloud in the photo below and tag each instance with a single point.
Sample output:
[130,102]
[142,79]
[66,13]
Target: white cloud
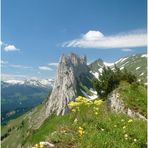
[93,35]
[10,48]
[20,66]
[5,77]
[53,64]
[126,49]
[96,39]
[45,68]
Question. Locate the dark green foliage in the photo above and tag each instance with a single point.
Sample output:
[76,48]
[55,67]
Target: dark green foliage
[110,79]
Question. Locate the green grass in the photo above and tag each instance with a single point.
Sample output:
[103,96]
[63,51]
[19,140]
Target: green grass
[50,125]
[134,96]
[106,129]
[102,130]
[18,129]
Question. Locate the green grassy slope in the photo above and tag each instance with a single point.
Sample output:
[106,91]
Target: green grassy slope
[91,126]
[134,96]
[16,131]
[136,64]
[87,125]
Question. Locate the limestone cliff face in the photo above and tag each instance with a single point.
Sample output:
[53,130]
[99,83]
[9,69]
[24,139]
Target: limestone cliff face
[117,105]
[70,69]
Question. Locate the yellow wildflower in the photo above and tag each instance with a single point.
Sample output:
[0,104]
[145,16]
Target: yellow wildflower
[124,127]
[73,104]
[98,102]
[80,128]
[76,120]
[96,113]
[79,99]
[81,131]
[41,146]
[73,110]
[36,145]
[122,120]
[95,109]
[126,135]
[130,120]
[135,140]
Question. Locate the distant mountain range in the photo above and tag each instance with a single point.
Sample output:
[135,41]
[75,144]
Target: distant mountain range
[137,64]
[18,96]
[30,82]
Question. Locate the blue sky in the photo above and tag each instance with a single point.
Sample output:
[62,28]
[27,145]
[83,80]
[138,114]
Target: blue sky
[36,32]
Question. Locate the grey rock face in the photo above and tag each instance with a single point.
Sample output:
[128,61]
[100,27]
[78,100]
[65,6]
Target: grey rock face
[116,104]
[70,69]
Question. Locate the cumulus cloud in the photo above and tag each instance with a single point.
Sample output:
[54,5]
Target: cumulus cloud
[93,35]
[53,64]
[126,49]
[45,68]
[96,39]
[10,48]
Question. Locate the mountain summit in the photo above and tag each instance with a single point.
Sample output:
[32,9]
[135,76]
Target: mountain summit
[70,73]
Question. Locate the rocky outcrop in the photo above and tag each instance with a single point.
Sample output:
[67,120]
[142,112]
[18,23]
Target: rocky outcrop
[72,73]
[70,69]
[117,104]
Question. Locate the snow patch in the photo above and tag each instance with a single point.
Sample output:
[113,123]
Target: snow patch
[137,68]
[96,74]
[32,82]
[141,74]
[144,55]
[100,70]
[15,81]
[121,68]
[108,64]
[89,97]
[100,65]
[93,91]
[121,60]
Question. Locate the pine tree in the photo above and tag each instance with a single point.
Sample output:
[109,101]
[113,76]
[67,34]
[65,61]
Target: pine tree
[110,79]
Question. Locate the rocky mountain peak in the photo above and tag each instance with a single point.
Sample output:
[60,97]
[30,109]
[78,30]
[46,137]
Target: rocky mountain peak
[69,71]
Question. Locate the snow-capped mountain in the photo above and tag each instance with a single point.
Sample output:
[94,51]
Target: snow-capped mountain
[20,96]
[31,82]
[136,64]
